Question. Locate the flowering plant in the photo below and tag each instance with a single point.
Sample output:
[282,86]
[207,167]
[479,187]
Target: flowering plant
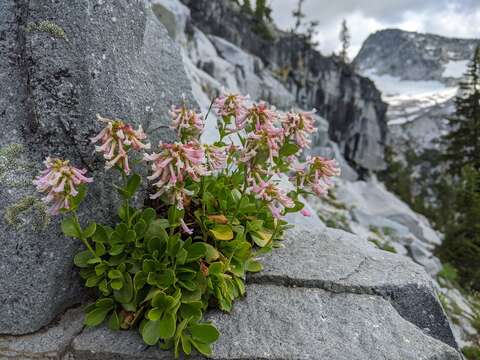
[212,211]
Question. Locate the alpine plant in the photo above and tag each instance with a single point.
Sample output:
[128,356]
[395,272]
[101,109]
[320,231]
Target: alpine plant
[210,211]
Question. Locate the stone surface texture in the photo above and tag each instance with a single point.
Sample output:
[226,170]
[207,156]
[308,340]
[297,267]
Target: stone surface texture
[115,59]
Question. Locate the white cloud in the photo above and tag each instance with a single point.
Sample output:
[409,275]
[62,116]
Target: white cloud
[453,18]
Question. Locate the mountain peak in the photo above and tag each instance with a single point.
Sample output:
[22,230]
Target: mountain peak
[415,56]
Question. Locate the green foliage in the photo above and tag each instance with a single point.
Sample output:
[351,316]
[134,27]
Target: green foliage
[471,352]
[463,140]
[448,273]
[150,275]
[461,246]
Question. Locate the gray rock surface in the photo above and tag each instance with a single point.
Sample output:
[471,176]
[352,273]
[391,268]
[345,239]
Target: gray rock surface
[49,343]
[96,57]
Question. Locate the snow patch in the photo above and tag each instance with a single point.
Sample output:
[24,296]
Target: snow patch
[393,86]
[455,68]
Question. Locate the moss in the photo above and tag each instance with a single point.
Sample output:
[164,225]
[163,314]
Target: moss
[38,217]
[385,246]
[471,352]
[48,27]
[13,169]
[375,230]
[388,231]
[448,273]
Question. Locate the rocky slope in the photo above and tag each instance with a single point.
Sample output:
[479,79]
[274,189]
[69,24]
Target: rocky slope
[418,76]
[285,71]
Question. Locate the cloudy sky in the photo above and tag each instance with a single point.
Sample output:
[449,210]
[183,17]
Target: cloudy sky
[455,18]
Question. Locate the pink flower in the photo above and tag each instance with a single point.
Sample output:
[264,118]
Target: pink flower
[185,228]
[60,180]
[116,139]
[174,163]
[299,126]
[276,198]
[262,117]
[305,212]
[186,121]
[234,105]
[216,157]
[316,173]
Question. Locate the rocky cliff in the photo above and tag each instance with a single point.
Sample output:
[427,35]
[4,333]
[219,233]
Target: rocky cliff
[61,63]
[351,103]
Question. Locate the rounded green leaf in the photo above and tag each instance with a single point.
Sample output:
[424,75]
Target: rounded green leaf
[81,259]
[195,251]
[71,228]
[222,232]
[205,333]
[96,316]
[167,326]
[114,322]
[254,266]
[89,230]
[151,332]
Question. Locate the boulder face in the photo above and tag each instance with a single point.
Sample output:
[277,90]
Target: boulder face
[61,63]
[326,295]
[350,102]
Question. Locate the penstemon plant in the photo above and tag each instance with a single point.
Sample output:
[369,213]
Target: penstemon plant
[213,210]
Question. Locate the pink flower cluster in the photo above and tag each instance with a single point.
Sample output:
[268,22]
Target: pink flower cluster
[277,199]
[186,121]
[60,181]
[232,105]
[172,165]
[116,139]
[299,126]
[316,173]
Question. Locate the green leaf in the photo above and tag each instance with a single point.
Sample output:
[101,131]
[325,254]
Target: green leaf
[125,294]
[167,326]
[96,316]
[166,278]
[114,322]
[289,149]
[211,254]
[151,332]
[261,238]
[254,266]
[195,251]
[222,232]
[205,333]
[155,229]
[140,227]
[155,314]
[89,230]
[116,249]
[71,228]
[101,235]
[149,215]
[115,274]
[116,284]
[81,259]
[181,256]
[202,348]
[76,200]
[192,310]
[215,268]
[133,184]
[186,345]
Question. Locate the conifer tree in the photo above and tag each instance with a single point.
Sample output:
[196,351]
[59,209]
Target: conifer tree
[260,9]
[463,141]
[345,40]
[247,6]
[298,15]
